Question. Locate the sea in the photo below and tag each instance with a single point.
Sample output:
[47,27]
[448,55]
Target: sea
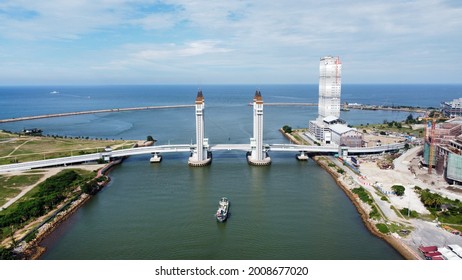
[289,210]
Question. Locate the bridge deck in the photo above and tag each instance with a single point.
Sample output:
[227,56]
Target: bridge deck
[187,148]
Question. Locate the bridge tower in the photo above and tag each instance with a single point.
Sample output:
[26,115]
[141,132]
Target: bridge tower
[257,155]
[200,155]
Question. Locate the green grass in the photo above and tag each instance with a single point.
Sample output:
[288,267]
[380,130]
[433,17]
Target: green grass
[384,127]
[10,186]
[30,148]
[459,228]
[411,214]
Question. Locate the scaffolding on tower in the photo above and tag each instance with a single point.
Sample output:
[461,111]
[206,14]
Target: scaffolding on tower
[430,136]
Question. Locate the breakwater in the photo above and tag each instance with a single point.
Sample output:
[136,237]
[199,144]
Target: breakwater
[387,108]
[290,104]
[114,110]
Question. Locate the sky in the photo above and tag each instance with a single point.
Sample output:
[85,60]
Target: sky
[228,41]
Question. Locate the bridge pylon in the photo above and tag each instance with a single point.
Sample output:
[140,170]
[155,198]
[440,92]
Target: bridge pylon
[258,154]
[200,154]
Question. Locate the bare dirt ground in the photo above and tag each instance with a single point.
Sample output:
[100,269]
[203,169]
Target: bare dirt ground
[406,172]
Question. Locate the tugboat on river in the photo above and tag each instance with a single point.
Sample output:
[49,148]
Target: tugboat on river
[222,212]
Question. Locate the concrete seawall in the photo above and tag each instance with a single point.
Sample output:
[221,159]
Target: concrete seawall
[115,110]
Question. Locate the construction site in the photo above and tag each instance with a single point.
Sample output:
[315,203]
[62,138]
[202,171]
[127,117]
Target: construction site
[443,147]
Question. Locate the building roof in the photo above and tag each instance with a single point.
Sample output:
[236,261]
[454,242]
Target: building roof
[340,128]
[329,119]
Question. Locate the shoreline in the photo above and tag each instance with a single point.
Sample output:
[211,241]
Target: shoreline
[393,242]
[33,250]
[398,245]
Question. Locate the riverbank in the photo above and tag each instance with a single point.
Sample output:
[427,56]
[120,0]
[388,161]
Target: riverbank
[362,209]
[399,246]
[32,250]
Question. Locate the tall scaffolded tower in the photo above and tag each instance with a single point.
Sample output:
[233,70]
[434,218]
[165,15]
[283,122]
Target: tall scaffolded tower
[257,154]
[330,72]
[200,156]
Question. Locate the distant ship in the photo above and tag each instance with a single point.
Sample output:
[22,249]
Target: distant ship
[222,212]
[54,92]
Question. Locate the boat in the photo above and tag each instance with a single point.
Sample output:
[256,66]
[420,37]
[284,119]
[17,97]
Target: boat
[223,208]
[54,92]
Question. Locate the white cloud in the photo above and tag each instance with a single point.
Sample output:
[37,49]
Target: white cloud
[234,36]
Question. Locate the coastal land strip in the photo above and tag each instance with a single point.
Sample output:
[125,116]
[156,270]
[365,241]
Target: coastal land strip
[93,112]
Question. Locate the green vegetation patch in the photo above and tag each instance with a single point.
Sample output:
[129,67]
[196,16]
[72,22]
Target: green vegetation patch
[409,213]
[398,190]
[46,196]
[6,254]
[447,210]
[287,129]
[383,228]
[363,195]
[27,148]
[10,186]
[375,214]
[459,228]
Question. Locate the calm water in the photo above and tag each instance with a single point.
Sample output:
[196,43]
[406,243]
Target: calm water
[289,210]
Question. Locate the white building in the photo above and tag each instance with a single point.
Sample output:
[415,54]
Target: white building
[330,70]
[330,73]
[452,109]
[328,128]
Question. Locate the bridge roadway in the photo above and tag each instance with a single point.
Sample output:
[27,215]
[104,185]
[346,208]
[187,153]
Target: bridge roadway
[289,148]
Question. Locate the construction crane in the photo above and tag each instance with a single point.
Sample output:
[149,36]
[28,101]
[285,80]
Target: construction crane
[430,135]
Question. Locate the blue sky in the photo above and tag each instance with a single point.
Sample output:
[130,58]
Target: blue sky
[228,41]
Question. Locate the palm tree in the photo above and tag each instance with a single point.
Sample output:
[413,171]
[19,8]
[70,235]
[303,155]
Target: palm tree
[438,200]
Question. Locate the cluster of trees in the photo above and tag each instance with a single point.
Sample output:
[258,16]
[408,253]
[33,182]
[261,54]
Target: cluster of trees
[363,195]
[430,199]
[410,119]
[93,186]
[452,212]
[393,123]
[49,194]
[398,189]
[6,254]
[76,137]
[287,129]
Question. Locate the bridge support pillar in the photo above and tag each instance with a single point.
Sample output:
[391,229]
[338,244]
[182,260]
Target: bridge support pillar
[343,152]
[303,156]
[258,155]
[156,158]
[200,154]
